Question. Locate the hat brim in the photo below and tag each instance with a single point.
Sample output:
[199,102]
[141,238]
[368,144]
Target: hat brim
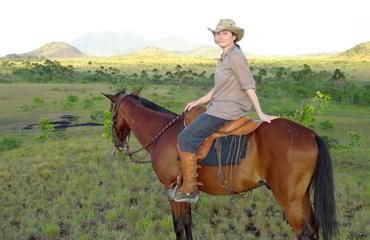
[239,32]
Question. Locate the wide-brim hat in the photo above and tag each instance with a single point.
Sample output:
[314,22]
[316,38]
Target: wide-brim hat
[228,25]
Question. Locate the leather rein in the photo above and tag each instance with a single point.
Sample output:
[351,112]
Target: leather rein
[123,146]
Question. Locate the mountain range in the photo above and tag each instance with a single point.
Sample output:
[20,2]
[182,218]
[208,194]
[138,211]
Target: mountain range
[130,43]
[108,43]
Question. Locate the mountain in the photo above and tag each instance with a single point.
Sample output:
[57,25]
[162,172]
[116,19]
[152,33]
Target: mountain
[50,50]
[56,50]
[108,43]
[361,51]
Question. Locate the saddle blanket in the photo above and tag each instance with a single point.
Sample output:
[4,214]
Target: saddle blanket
[232,150]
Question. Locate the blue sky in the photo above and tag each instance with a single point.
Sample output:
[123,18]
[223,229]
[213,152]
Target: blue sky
[285,27]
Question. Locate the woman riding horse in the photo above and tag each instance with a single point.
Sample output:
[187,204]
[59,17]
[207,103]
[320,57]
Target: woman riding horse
[233,95]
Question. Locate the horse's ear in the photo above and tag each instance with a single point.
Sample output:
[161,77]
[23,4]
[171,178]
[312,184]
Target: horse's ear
[136,92]
[112,98]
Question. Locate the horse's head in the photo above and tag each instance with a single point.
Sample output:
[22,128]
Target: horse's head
[120,128]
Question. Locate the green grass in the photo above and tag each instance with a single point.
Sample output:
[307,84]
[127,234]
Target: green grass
[77,186]
[70,187]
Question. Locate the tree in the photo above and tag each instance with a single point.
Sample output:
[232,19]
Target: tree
[338,77]
[179,74]
[261,73]
[144,76]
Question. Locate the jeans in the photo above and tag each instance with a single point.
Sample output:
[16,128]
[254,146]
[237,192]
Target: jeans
[191,137]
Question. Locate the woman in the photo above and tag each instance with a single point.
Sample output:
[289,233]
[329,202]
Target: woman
[232,96]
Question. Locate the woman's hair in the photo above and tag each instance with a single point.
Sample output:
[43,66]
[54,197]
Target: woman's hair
[238,46]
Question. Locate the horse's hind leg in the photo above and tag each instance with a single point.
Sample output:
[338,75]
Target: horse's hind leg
[309,230]
[299,214]
[181,215]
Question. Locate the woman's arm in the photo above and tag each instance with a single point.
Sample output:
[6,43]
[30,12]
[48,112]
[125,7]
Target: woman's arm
[254,99]
[206,98]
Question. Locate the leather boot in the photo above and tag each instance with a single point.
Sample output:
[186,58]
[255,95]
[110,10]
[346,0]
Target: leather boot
[188,192]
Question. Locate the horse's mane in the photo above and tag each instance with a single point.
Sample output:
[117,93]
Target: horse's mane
[146,103]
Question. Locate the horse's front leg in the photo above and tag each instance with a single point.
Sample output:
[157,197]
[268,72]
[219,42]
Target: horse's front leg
[188,222]
[181,214]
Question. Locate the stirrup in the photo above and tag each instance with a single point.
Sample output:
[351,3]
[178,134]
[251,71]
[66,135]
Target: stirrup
[186,197]
[171,191]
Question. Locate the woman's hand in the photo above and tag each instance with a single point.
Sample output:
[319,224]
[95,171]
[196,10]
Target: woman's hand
[267,118]
[206,98]
[190,105]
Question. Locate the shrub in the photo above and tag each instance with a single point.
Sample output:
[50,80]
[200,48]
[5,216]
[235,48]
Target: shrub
[305,113]
[354,139]
[45,128]
[107,131]
[70,102]
[8,143]
[72,99]
[362,95]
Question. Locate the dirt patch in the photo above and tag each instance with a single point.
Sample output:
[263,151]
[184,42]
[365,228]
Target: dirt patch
[66,121]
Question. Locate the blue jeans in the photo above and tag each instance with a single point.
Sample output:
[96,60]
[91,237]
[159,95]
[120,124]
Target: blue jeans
[191,137]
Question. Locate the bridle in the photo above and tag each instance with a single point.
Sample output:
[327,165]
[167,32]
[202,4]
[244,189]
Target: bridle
[123,146]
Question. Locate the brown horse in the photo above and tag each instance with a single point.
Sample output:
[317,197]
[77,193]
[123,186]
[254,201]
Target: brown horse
[284,155]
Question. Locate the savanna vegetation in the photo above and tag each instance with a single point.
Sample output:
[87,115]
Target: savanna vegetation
[58,179]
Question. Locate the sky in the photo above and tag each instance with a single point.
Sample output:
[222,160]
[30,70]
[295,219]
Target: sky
[284,27]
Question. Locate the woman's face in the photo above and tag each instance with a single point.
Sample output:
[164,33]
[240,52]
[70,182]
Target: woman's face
[224,39]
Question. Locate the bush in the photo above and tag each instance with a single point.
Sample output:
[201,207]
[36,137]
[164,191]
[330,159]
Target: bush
[46,129]
[72,99]
[8,143]
[362,96]
[70,102]
[107,131]
[45,72]
[354,139]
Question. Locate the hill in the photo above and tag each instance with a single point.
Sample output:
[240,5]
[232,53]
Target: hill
[360,51]
[50,50]
[56,50]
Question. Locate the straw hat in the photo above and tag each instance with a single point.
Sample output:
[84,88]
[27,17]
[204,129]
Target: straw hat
[228,25]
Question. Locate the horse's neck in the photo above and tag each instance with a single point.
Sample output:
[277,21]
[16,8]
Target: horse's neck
[144,122]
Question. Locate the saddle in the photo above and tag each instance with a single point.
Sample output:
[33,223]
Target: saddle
[241,126]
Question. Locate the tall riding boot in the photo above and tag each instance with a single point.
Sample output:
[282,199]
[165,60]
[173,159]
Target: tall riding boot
[188,192]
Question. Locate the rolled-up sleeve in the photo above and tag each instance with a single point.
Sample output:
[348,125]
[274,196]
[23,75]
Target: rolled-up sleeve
[240,67]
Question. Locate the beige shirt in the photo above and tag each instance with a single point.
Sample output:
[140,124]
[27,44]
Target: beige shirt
[232,77]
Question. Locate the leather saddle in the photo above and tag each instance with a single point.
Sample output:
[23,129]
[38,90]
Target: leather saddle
[241,126]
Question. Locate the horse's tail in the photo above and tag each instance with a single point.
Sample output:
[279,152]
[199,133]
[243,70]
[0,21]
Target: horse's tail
[324,202]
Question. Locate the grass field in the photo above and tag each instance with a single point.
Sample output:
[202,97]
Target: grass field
[70,187]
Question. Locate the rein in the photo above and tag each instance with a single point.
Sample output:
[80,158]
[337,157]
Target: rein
[129,153]
[124,147]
